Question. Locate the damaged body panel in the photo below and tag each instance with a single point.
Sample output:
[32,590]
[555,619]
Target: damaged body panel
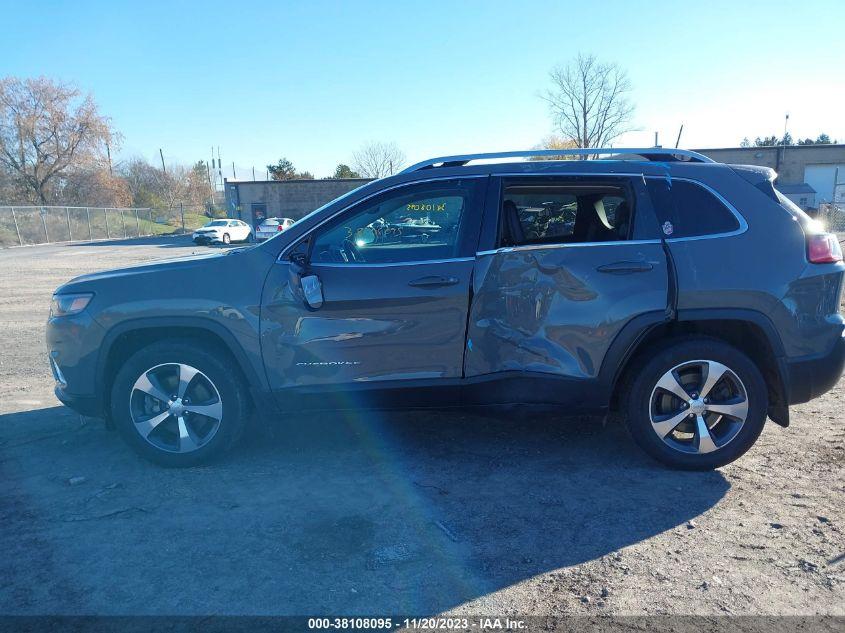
[555,310]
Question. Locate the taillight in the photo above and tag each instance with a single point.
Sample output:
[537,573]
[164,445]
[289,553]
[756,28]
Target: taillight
[280,228]
[823,248]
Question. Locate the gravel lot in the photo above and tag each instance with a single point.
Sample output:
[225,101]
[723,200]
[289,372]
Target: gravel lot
[386,514]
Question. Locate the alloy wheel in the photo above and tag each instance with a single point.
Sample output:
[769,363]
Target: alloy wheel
[175,407]
[698,406]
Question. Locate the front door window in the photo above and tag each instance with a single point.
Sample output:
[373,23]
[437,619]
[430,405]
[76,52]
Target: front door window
[421,222]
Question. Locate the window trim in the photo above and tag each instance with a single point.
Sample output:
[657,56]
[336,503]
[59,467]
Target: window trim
[283,256]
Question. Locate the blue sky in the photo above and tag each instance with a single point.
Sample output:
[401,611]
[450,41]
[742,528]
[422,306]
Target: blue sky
[315,80]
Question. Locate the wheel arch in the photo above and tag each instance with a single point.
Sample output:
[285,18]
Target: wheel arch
[749,331]
[128,337]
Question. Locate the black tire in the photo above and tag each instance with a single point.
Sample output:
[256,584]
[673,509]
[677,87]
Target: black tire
[232,396]
[249,238]
[637,402]
[226,238]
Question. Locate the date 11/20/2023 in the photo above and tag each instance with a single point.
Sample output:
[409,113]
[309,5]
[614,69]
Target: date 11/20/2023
[430,624]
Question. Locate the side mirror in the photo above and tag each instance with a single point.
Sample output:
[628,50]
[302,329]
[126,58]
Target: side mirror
[313,291]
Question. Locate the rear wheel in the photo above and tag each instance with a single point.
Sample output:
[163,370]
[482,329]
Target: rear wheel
[697,404]
[177,405]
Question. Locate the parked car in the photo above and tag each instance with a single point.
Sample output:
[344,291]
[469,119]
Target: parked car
[223,232]
[272,227]
[688,296]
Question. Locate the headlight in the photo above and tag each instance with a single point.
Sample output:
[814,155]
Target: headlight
[67,305]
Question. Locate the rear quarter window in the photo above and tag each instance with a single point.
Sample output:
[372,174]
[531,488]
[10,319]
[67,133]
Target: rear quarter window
[689,209]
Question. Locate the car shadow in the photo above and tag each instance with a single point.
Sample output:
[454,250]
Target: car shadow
[354,513]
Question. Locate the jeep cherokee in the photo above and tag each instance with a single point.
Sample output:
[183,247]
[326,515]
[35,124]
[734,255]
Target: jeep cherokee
[687,295]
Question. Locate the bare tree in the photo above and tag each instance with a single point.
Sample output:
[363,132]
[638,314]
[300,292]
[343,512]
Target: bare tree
[46,130]
[95,187]
[377,160]
[554,141]
[589,101]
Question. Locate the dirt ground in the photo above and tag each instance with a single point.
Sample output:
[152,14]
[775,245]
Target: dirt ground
[387,514]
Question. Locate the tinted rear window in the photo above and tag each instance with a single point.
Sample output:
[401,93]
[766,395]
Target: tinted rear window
[690,209]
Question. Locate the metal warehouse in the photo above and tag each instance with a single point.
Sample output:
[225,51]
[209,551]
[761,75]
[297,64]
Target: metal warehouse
[809,175]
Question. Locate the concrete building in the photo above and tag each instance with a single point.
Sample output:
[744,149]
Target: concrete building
[254,200]
[805,172]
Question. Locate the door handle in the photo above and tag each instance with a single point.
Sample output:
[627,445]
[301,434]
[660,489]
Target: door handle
[433,281]
[625,268]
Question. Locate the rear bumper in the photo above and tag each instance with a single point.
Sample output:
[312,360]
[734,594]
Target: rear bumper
[810,377]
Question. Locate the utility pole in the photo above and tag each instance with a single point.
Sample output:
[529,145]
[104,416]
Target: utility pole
[655,140]
[108,153]
[234,176]
[253,172]
[783,141]
[210,183]
[160,153]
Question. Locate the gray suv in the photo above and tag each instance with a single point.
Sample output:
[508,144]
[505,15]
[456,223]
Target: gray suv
[686,295]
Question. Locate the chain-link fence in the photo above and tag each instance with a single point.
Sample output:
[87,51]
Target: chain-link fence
[20,226]
[833,217]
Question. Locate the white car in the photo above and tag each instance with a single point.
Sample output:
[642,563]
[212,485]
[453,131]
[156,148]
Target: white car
[272,226]
[223,232]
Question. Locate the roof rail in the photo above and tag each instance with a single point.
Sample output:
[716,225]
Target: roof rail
[649,153]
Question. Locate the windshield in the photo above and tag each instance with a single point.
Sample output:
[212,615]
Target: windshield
[217,223]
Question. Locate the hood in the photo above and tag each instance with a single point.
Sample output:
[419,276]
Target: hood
[90,282]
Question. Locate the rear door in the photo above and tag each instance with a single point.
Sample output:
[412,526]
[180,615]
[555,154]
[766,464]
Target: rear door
[395,272]
[574,260]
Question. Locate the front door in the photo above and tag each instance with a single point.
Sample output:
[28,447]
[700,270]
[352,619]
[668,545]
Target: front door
[395,272]
[575,260]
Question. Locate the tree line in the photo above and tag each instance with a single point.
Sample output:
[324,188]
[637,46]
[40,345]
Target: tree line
[372,160]
[786,139]
[57,148]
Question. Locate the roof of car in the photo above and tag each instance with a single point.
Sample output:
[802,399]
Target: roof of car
[605,167]
[658,154]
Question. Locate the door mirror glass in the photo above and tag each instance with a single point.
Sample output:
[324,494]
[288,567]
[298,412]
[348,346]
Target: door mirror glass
[364,236]
[313,291]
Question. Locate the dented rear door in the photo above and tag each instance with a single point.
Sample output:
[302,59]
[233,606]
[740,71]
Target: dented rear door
[554,310]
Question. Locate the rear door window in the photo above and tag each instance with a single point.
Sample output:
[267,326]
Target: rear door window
[564,213]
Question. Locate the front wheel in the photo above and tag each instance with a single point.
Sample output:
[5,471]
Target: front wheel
[226,238]
[697,404]
[178,405]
